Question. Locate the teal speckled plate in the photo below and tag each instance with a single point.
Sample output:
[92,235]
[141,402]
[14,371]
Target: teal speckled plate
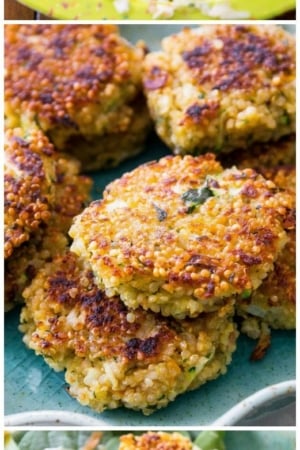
[30,385]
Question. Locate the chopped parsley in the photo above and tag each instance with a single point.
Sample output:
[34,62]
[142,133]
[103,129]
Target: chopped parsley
[194,197]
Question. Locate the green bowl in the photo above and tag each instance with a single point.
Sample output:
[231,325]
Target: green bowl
[104,9]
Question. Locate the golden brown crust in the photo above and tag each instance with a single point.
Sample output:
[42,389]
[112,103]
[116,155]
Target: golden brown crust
[72,192]
[26,260]
[273,304]
[106,319]
[116,356]
[43,192]
[222,87]
[57,56]
[74,80]
[29,175]
[156,242]
[234,59]
[284,177]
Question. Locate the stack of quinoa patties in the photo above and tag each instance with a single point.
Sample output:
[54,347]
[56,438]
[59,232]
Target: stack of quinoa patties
[43,191]
[73,102]
[231,90]
[273,304]
[141,307]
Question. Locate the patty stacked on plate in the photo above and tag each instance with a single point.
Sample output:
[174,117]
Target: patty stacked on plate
[42,193]
[145,311]
[218,88]
[273,304]
[114,355]
[80,84]
[182,235]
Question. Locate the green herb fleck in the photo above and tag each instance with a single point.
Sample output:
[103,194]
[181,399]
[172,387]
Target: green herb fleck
[196,197]
[192,369]
[246,294]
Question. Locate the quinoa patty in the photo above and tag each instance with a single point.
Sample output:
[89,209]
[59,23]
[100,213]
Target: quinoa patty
[27,259]
[222,87]
[263,155]
[273,304]
[115,356]
[110,149]
[180,235]
[72,81]
[29,175]
[70,194]
[155,440]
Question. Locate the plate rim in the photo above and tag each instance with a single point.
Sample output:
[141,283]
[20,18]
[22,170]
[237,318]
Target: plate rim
[248,404]
[47,417]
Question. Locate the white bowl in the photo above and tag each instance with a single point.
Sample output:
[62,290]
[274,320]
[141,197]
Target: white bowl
[273,405]
[49,418]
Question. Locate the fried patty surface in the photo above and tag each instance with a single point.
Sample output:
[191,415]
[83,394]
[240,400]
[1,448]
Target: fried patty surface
[74,81]
[111,148]
[70,193]
[29,174]
[181,235]
[155,440]
[262,156]
[27,259]
[222,87]
[114,355]
[273,304]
